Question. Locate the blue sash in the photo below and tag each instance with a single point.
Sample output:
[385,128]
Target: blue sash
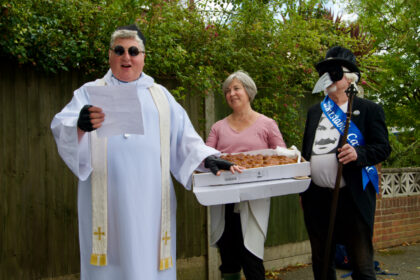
[355,138]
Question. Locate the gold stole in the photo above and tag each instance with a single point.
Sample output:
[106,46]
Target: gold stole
[162,104]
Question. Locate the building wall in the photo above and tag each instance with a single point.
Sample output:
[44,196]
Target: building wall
[397,218]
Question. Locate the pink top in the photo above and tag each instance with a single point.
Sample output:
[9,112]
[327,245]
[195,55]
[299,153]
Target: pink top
[262,134]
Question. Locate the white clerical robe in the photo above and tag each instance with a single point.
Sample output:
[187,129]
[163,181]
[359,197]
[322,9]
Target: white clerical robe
[134,184]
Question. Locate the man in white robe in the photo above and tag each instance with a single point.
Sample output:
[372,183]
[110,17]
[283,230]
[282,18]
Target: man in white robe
[134,170]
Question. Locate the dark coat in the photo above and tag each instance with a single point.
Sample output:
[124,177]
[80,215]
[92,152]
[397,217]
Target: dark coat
[371,123]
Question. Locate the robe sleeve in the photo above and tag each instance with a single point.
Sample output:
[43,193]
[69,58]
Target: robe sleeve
[188,149]
[75,154]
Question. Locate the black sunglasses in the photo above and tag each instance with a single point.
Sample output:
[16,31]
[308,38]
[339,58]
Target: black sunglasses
[132,51]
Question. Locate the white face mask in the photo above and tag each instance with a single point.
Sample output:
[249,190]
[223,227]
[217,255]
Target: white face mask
[323,82]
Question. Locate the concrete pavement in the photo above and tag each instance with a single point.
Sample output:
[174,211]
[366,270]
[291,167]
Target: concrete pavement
[403,260]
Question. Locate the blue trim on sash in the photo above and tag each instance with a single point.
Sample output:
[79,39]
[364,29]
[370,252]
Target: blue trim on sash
[355,138]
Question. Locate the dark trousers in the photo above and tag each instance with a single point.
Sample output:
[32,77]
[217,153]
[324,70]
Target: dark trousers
[233,253]
[350,230]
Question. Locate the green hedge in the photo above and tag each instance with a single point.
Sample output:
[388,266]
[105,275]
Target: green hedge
[185,46]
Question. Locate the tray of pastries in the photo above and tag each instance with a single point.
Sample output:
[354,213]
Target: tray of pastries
[261,165]
[254,161]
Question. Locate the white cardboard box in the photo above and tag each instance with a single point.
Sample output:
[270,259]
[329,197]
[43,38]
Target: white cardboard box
[253,175]
[254,183]
[256,174]
[213,195]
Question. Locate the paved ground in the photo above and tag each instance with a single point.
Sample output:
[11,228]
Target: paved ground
[403,260]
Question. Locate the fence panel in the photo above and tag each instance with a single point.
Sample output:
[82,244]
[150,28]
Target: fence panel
[38,193]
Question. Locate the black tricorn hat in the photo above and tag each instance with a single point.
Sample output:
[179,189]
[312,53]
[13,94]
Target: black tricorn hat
[133,27]
[338,56]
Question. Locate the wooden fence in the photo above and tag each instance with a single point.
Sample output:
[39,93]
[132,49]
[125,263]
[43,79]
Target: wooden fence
[38,211]
[38,237]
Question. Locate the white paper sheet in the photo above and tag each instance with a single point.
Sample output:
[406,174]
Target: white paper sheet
[121,107]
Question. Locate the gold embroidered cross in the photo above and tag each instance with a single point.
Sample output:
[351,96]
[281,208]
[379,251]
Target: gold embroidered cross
[166,237]
[99,233]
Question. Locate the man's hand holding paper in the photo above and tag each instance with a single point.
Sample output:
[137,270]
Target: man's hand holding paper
[90,118]
[121,107]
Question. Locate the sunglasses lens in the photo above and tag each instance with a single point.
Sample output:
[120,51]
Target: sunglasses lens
[133,51]
[119,50]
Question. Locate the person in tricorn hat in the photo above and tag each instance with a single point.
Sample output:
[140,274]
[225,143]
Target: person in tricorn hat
[367,145]
[126,199]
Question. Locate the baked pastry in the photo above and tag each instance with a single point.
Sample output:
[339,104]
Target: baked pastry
[254,161]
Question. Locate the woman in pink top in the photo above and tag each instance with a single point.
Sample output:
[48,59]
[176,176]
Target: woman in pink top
[240,229]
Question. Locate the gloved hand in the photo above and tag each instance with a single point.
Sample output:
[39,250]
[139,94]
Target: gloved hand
[84,122]
[215,164]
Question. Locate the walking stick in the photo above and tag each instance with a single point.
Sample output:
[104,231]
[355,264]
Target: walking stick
[351,92]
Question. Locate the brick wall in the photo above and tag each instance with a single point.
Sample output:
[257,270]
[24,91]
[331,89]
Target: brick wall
[397,218]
